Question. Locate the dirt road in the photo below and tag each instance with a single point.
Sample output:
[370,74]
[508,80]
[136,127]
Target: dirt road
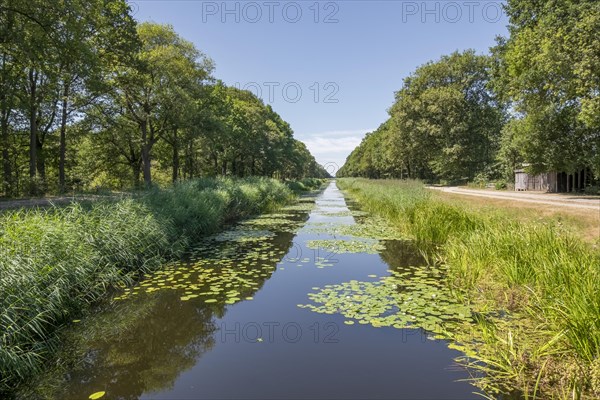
[556,199]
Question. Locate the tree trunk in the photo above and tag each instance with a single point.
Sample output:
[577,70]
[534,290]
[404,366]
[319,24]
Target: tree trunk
[240,167]
[6,167]
[189,161]
[63,139]
[41,160]
[32,125]
[175,157]
[5,135]
[135,174]
[146,160]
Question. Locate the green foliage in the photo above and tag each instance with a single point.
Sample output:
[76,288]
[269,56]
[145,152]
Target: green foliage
[57,262]
[480,180]
[547,69]
[501,185]
[409,204]
[305,184]
[445,124]
[91,98]
[449,119]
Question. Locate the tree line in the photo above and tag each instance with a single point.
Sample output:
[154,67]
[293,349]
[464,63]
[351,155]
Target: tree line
[90,98]
[533,100]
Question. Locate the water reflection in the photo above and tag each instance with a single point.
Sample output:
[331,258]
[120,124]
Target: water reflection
[143,341]
[402,254]
[146,345]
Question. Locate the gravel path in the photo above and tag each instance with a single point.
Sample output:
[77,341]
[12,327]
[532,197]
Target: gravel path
[556,199]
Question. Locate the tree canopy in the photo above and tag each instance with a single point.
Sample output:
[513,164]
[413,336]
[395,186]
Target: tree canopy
[548,70]
[533,101]
[445,124]
[90,98]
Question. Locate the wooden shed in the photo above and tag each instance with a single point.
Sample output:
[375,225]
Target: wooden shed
[545,182]
[556,182]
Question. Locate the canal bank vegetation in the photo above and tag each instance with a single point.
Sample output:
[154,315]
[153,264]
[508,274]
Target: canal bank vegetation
[584,223]
[534,287]
[56,262]
[531,102]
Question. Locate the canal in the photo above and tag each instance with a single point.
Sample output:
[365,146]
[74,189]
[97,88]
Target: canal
[308,302]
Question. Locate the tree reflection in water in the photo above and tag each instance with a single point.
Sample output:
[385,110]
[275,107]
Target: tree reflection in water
[142,344]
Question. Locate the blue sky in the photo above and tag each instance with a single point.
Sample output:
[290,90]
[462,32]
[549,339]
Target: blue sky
[329,68]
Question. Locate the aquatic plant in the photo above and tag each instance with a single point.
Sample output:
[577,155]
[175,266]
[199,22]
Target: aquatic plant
[340,246]
[414,298]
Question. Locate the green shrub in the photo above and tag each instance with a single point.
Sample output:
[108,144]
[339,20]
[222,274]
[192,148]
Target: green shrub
[593,190]
[305,185]
[501,185]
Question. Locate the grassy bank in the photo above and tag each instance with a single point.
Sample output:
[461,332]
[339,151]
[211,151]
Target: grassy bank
[584,223]
[56,262]
[535,285]
[306,184]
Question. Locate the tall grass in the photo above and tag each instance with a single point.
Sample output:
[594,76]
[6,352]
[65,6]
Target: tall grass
[195,208]
[544,277]
[410,205]
[54,263]
[305,184]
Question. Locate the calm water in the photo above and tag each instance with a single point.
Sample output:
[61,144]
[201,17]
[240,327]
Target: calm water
[156,346]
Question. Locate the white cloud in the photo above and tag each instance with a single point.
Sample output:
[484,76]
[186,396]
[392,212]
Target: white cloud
[321,145]
[332,147]
[339,133]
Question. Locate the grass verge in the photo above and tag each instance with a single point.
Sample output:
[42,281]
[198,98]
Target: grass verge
[584,223]
[535,285]
[56,262]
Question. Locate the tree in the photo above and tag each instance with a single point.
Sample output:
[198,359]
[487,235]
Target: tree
[99,100]
[445,124]
[150,88]
[549,70]
[90,47]
[50,54]
[449,117]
